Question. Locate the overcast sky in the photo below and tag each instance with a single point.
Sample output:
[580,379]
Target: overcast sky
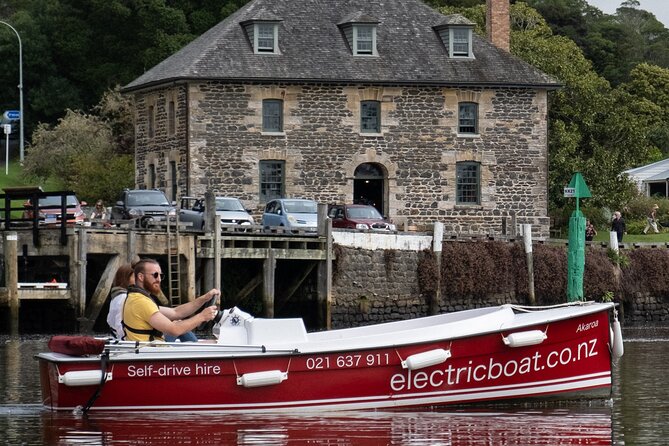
[658,7]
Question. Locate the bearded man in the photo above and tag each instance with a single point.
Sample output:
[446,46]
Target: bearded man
[144,319]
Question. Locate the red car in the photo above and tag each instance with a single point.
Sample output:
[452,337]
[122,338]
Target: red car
[50,211]
[358,216]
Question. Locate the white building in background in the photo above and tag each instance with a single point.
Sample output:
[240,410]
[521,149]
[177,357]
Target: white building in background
[652,179]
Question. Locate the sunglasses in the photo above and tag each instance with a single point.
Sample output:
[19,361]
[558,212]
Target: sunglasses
[157,275]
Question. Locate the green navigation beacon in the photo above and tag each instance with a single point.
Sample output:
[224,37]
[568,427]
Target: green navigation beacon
[576,253]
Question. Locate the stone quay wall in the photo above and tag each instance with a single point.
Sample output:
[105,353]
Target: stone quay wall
[377,284]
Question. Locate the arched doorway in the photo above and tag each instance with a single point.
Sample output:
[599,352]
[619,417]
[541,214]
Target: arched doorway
[368,186]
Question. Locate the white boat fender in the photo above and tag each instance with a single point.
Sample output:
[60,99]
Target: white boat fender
[617,340]
[525,338]
[426,359]
[83,378]
[259,379]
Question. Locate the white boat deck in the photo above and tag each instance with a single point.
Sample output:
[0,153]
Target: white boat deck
[285,336]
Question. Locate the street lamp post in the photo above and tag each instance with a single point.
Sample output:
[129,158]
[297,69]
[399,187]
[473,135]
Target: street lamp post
[21,144]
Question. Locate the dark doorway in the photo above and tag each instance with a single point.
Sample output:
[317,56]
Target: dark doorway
[368,186]
[657,189]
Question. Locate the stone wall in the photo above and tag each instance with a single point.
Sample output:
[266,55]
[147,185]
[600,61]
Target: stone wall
[219,143]
[373,286]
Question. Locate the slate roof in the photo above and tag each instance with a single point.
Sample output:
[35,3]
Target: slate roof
[314,49]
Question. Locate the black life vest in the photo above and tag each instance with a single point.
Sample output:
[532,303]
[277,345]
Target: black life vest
[153,333]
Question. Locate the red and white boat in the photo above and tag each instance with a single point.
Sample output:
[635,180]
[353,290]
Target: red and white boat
[497,354]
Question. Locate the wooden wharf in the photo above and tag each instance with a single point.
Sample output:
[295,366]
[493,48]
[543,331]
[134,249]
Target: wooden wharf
[95,252]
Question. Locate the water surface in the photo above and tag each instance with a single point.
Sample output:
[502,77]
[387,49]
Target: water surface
[636,415]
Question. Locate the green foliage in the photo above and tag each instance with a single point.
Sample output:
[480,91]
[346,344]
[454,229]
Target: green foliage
[608,296]
[618,258]
[90,154]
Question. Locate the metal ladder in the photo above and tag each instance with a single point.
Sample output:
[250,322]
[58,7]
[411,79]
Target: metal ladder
[173,262]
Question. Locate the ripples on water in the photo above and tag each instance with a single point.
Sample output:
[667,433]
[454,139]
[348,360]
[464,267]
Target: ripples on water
[635,416]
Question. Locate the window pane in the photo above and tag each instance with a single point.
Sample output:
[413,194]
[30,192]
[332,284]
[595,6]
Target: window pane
[461,42]
[272,115]
[171,118]
[364,40]
[266,38]
[467,183]
[271,180]
[468,117]
[370,121]
[173,174]
[152,122]
[152,176]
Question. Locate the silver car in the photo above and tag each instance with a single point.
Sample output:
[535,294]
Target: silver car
[291,213]
[230,210]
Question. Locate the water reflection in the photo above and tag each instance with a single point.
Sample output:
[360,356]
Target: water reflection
[558,427]
[635,416]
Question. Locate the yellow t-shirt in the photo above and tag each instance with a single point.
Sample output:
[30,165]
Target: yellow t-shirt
[137,311]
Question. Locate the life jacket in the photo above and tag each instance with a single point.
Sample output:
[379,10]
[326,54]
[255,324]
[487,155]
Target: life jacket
[153,333]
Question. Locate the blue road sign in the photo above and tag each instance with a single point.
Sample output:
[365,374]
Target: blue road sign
[12,115]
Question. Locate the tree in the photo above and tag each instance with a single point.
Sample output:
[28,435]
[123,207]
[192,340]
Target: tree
[593,128]
[88,153]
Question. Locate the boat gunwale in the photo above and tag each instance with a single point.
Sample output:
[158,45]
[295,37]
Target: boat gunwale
[207,351]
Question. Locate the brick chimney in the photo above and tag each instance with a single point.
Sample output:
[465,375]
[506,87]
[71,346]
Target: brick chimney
[497,23]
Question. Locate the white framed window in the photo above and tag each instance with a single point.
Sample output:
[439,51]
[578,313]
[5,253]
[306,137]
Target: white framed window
[272,179]
[370,117]
[468,118]
[272,115]
[364,40]
[460,42]
[468,183]
[266,38]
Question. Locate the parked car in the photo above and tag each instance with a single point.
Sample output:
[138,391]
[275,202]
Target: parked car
[291,213]
[230,210]
[143,206]
[49,211]
[358,216]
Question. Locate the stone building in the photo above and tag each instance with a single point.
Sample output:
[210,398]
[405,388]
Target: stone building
[387,102]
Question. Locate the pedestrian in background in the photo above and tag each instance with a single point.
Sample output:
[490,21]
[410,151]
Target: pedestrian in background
[618,225]
[651,220]
[590,231]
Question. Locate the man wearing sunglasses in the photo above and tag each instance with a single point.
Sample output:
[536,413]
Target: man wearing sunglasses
[144,319]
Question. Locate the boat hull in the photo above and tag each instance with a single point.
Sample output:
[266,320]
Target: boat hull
[574,361]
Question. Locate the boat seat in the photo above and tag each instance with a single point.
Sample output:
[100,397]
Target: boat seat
[275,331]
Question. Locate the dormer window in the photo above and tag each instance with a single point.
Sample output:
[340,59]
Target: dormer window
[460,42]
[360,32]
[456,35]
[266,36]
[263,34]
[364,40]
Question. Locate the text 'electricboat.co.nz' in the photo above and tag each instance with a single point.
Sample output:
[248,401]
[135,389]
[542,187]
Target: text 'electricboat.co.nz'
[483,355]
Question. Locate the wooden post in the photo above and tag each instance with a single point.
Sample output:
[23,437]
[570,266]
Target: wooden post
[12,279]
[527,242]
[210,265]
[80,268]
[217,253]
[325,270]
[100,295]
[130,250]
[209,211]
[437,241]
[269,269]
